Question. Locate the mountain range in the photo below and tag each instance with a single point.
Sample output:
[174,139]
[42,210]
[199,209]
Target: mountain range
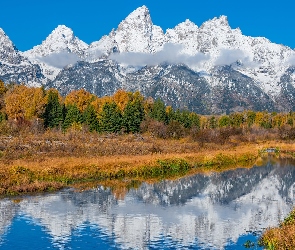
[211,69]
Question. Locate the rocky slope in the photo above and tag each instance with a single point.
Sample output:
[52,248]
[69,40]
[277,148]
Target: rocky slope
[59,49]
[209,69]
[14,67]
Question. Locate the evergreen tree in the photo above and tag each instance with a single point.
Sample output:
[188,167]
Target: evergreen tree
[212,122]
[53,114]
[170,114]
[195,120]
[183,117]
[90,118]
[133,116]
[110,118]
[158,111]
[224,121]
[73,115]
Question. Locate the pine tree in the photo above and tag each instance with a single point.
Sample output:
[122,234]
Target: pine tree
[158,111]
[224,121]
[110,118]
[195,120]
[73,115]
[183,117]
[90,118]
[212,122]
[53,114]
[133,116]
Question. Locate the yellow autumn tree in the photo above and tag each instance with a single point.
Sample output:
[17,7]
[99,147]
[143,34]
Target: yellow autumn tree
[81,98]
[98,103]
[121,98]
[3,89]
[148,105]
[22,102]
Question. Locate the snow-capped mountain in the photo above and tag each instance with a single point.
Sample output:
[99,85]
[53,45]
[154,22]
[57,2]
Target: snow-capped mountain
[225,70]
[14,67]
[134,34]
[58,50]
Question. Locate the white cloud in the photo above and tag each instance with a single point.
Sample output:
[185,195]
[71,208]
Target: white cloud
[171,54]
[229,56]
[94,54]
[61,59]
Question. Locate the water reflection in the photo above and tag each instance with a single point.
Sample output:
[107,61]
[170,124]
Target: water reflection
[214,211]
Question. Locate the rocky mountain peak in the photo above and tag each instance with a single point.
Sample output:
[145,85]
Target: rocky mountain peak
[136,33]
[61,32]
[187,27]
[5,41]
[139,19]
[61,39]
[8,51]
[139,13]
[220,23]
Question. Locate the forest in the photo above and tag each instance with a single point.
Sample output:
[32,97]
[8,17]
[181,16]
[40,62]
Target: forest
[49,141]
[36,109]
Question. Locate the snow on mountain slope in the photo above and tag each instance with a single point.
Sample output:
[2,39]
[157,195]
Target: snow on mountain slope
[14,67]
[257,66]
[134,34]
[59,49]
[61,39]
[258,58]
[8,51]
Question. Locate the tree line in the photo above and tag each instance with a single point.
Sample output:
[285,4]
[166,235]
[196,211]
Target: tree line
[123,112]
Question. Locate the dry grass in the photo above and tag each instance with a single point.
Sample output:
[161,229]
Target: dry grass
[282,237]
[51,160]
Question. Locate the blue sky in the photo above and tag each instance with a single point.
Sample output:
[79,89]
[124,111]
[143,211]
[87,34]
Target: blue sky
[29,22]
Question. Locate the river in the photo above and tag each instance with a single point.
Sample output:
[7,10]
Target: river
[214,211]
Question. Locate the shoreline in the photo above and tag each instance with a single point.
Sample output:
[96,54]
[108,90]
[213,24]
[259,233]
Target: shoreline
[33,171]
[27,167]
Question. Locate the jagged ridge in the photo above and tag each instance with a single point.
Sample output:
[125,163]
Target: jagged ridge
[225,70]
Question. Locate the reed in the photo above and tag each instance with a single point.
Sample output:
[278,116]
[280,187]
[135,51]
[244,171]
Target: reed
[31,163]
[281,237]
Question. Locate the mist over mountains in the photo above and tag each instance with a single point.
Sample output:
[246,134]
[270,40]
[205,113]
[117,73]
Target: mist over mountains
[211,69]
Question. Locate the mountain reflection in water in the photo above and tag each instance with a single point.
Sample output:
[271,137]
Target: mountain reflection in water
[211,211]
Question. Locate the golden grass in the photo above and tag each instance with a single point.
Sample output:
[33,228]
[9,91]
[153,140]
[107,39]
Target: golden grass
[281,237]
[30,163]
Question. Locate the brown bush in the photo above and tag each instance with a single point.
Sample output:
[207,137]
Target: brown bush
[175,130]
[286,132]
[155,128]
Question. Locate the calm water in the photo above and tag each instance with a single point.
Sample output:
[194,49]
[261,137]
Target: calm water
[216,211]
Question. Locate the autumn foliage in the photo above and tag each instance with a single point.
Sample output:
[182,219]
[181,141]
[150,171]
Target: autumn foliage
[127,112]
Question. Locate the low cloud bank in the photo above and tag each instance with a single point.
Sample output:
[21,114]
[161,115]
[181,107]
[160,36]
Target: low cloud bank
[171,54]
[61,59]
[231,56]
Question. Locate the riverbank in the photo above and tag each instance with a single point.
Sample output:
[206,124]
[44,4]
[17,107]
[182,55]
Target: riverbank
[281,237]
[53,160]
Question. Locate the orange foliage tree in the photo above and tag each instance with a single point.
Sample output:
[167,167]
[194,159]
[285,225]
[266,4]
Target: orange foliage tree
[80,98]
[23,102]
[121,98]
